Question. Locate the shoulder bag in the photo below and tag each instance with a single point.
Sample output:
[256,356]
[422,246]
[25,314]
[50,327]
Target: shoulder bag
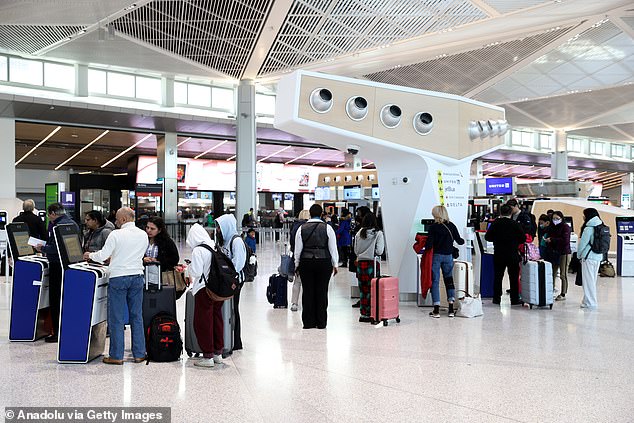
[455,253]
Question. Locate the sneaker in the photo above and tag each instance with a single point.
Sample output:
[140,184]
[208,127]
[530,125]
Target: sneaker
[205,362]
[293,307]
[217,359]
[560,298]
[364,319]
[434,315]
[357,304]
[51,339]
[451,312]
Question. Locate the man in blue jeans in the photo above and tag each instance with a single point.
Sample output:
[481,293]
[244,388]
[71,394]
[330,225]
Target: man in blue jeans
[125,248]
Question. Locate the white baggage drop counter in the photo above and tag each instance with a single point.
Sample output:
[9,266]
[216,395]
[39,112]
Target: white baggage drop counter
[84,301]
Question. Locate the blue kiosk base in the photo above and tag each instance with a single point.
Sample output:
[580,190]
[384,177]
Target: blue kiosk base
[29,301]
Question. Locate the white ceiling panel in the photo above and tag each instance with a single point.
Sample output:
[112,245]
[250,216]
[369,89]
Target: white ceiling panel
[31,38]
[56,12]
[508,6]
[317,30]
[459,73]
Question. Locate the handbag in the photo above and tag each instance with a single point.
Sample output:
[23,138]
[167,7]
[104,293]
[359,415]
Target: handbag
[532,252]
[579,278]
[606,269]
[175,279]
[455,253]
[469,306]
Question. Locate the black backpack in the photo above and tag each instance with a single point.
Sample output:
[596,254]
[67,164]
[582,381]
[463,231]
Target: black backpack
[601,240]
[163,339]
[223,281]
[250,269]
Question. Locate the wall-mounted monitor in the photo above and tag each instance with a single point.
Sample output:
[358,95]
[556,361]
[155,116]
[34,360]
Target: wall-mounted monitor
[289,197]
[276,196]
[191,195]
[180,173]
[499,186]
[322,193]
[375,192]
[352,192]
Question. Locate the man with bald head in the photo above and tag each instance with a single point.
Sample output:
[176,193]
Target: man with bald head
[125,248]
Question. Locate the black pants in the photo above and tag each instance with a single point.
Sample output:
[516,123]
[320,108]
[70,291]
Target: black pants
[55,292]
[344,255]
[500,264]
[237,338]
[315,276]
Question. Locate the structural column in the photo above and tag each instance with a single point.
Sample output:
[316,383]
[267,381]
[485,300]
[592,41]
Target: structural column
[167,155]
[7,159]
[81,80]
[246,158]
[559,158]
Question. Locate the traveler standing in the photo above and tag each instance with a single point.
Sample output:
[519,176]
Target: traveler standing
[161,248]
[559,240]
[125,248]
[37,229]
[208,323]
[56,216]
[359,214]
[441,236]
[233,246]
[590,260]
[302,218]
[344,238]
[542,233]
[368,244]
[523,218]
[316,258]
[97,231]
[278,222]
[506,235]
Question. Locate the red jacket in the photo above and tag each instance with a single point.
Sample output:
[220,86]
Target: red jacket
[425,263]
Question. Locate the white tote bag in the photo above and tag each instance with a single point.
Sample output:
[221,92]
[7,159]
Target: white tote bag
[469,306]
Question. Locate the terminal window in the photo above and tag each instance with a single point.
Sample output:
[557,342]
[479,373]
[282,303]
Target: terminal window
[574,145]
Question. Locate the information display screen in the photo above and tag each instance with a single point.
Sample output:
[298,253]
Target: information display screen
[625,225]
[22,244]
[73,248]
[375,192]
[322,193]
[499,186]
[352,192]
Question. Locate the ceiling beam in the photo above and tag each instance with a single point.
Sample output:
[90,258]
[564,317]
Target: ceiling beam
[622,132]
[517,109]
[482,5]
[271,27]
[598,117]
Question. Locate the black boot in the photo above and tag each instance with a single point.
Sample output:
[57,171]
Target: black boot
[451,313]
[436,313]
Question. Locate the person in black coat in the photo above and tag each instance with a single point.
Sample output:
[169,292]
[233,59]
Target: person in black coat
[37,229]
[506,235]
[161,248]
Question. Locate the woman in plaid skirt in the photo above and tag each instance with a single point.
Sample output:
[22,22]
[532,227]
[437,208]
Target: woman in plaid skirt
[368,244]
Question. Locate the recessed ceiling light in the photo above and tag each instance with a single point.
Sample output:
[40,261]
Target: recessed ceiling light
[74,135]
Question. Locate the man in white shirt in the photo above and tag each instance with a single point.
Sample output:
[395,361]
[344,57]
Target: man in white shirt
[125,248]
[316,258]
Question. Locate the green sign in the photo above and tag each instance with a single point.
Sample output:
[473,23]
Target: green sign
[52,195]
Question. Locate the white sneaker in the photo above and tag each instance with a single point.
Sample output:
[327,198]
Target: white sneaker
[293,307]
[205,362]
[217,359]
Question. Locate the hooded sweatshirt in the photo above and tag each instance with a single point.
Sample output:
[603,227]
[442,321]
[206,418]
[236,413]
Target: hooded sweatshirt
[201,257]
[585,243]
[370,247]
[237,252]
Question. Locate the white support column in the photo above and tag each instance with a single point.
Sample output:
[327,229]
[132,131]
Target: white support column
[559,158]
[167,91]
[167,155]
[7,158]
[353,162]
[246,188]
[81,80]
[627,191]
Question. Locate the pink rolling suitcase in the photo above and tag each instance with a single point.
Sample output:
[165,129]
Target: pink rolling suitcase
[384,296]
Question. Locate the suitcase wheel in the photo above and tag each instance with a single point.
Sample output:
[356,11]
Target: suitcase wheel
[531,306]
[398,320]
[551,306]
[384,322]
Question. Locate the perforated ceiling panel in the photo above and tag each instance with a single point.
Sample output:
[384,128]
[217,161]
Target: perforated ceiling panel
[508,6]
[219,34]
[600,56]
[462,72]
[317,30]
[31,38]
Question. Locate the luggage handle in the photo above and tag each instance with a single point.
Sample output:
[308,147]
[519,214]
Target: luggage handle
[147,281]
[466,294]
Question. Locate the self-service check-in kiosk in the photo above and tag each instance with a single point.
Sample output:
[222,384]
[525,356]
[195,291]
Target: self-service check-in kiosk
[625,246]
[84,301]
[29,298]
[483,270]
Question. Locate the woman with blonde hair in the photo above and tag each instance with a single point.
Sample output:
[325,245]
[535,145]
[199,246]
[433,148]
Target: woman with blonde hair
[441,236]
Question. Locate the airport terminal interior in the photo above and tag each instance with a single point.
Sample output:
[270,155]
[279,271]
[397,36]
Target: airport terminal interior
[189,110]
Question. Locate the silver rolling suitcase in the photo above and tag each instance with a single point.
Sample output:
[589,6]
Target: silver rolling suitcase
[228,326]
[537,283]
[191,342]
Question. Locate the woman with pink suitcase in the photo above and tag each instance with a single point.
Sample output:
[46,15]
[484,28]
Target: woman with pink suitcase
[368,244]
[441,236]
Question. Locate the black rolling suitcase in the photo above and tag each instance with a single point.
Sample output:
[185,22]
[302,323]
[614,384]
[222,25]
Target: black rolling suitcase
[277,291]
[156,298]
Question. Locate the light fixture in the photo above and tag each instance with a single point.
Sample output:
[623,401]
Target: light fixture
[271,155]
[484,129]
[390,116]
[83,149]
[348,178]
[53,132]
[120,174]
[359,178]
[504,127]
[183,142]
[211,149]
[494,127]
[302,156]
[231,158]
[326,179]
[126,150]
[357,108]
[87,172]
[423,123]
[371,177]
[321,100]
[474,130]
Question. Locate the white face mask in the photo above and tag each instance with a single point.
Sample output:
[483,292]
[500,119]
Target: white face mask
[556,221]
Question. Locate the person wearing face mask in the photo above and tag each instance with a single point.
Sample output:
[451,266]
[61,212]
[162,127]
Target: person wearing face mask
[542,233]
[559,240]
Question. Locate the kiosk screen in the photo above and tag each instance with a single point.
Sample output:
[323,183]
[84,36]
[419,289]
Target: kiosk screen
[22,244]
[73,248]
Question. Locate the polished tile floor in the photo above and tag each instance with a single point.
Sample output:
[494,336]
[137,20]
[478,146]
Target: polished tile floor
[512,364]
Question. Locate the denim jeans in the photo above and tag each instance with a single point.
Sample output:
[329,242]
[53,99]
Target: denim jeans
[444,262]
[126,291]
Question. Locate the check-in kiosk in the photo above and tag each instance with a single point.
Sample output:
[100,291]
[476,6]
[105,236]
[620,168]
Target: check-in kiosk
[483,270]
[625,246]
[29,297]
[84,302]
